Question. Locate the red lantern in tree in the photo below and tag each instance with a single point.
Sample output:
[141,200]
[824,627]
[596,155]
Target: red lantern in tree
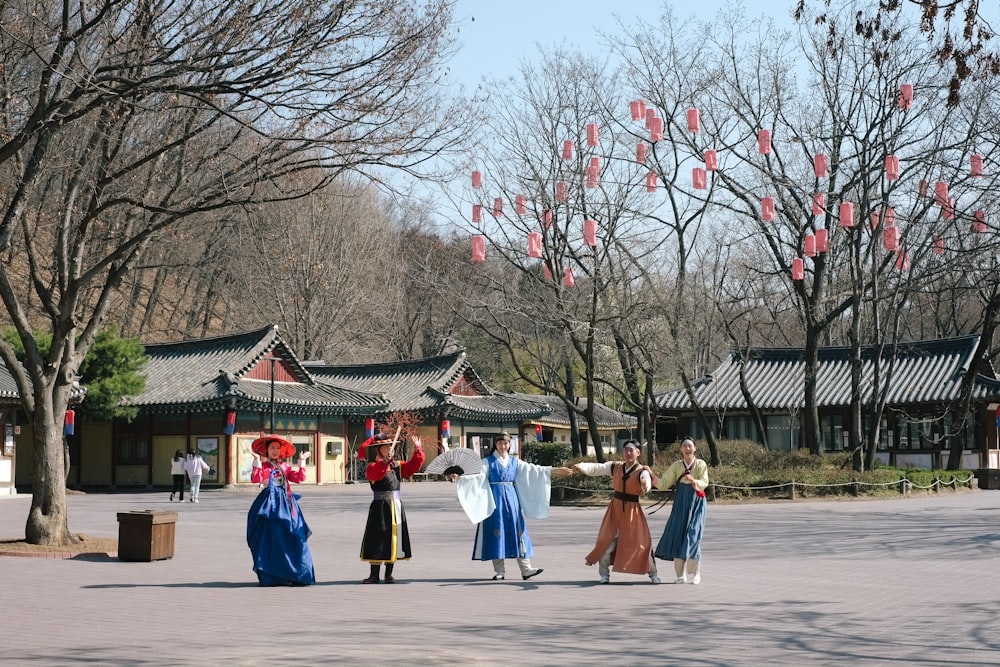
[764,142]
[477,213]
[593,177]
[568,279]
[941,193]
[656,129]
[979,221]
[906,96]
[891,167]
[693,120]
[635,111]
[890,238]
[651,182]
[976,165]
[562,191]
[798,269]
[519,205]
[809,245]
[477,180]
[546,273]
[650,115]
[699,178]
[535,245]
[890,217]
[846,214]
[948,210]
[478,248]
[590,233]
[819,165]
[767,208]
[819,202]
[822,240]
[903,261]
[711,160]
[546,218]
[567,152]
[640,153]
[592,139]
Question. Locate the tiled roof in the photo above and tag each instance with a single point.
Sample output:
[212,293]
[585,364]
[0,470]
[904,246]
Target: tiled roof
[924,372]
[8,388]
[210,373]
[559,415]
[424,386]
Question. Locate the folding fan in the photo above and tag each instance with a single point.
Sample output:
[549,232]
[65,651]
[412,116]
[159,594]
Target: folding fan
[466,460]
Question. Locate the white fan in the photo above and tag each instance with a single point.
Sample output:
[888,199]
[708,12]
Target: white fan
[466,460]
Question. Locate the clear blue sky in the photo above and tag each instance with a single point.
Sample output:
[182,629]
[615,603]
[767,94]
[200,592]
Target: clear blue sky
[496,35]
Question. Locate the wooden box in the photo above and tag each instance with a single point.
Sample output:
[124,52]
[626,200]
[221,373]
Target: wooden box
[146,535]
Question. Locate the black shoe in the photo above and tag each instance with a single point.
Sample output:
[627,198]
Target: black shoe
[369,580]
[532,574]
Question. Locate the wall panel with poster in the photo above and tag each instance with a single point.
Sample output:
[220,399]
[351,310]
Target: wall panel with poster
[208,447]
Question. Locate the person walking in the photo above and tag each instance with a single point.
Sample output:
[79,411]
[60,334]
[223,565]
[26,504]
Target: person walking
[177,475]
[623,541]
[386,538]
[195,466]
[277,533]
[681,539]
[497,500]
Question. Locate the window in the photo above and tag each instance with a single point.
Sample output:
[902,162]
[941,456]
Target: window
[133,450]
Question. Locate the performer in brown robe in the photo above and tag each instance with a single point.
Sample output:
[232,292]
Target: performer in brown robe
[623,542]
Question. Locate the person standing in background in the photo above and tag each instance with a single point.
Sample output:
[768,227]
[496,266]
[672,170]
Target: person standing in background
[195,466]
[177,475]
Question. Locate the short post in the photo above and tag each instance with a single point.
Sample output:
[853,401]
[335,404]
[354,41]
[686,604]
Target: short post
[792,495]
[710,492]
[937,484]
[855,491]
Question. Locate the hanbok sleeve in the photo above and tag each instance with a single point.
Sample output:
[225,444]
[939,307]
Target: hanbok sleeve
[533,484]
[595,469]
[700,475]
[671,475]
[475,496]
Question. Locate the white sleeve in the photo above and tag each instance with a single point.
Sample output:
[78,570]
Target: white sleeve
[475,496]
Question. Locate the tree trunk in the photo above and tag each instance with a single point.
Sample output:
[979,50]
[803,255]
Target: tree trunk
[48,520]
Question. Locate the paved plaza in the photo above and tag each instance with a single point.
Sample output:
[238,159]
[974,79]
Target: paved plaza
[912,581]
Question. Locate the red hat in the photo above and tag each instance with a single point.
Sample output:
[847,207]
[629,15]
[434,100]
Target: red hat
[259,446]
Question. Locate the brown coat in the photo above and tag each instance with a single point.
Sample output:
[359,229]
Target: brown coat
[626,520]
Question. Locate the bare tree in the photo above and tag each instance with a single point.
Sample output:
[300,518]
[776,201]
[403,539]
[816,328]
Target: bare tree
[122,123]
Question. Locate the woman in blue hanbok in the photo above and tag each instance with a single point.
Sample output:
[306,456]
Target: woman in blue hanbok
[681,540]
[498,499]
[276,530]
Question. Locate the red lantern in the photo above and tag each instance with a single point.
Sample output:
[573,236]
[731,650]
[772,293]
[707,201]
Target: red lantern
[635,111]
[640,153]
[519,205]
[819,165]
[651,182]
[593,177]
[979,224]
[445,429]
[822,240]
[809,245]
[592,139]
[819,202]
[568,279]
[590,233]
[230,426]
[846,214]
[903,261]
[656,130]
[767,208]
[906,96]
[798,269]
[477,213]
[535,245]
[497,207]
[693,120]
[546,273]
[938,245]
[562,191]
[711,160]
[699,178]
[650,115]
[891,167]
[976,165]
[369,428]
[890,238]
[941,193]
[538,432]
[567,153]
[764,142]
[478,248]
[948,210]
[477,180]
[546,218]
[69,423]
[890,217]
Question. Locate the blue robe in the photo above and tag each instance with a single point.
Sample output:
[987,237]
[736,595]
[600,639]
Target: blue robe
[277,540]
[503,534]
[682,534]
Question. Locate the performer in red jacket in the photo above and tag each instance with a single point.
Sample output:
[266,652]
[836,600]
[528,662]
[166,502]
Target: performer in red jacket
[386,537]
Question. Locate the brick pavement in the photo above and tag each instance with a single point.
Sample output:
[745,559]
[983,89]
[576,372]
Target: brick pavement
[877,582]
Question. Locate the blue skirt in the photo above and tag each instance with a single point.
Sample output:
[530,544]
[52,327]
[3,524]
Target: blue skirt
[277,540]
[682,534]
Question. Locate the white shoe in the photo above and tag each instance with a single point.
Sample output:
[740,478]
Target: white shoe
[605,579]
[653,579]
[696,579]
[196,500]
[681,580]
